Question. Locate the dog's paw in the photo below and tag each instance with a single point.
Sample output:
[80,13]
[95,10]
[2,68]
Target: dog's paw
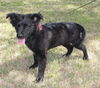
[33,66]
[85,58]
[66,55]
[38,79]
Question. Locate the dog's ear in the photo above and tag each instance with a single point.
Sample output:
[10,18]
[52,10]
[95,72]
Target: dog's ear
[14,18]
[36,17]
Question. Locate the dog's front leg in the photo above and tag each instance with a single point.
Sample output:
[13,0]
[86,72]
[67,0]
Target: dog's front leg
[36,57]
[41,67]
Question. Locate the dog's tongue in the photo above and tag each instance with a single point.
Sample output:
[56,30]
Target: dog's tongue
[21,41]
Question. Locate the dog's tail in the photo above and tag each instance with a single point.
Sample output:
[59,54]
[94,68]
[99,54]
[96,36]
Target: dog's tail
[82,35]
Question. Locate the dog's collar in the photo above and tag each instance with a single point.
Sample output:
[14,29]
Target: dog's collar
[40,27]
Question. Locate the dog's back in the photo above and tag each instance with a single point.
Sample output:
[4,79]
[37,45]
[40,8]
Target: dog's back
[62,33]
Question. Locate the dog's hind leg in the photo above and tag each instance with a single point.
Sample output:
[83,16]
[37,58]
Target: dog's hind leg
[35,62]
[83,48]
[69,48]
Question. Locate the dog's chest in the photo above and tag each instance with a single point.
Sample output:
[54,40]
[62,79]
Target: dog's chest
[30,43]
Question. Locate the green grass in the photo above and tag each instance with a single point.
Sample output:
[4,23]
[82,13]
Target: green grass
[61,72]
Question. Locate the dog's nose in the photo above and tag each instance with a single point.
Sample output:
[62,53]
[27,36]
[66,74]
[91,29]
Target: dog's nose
[19,35]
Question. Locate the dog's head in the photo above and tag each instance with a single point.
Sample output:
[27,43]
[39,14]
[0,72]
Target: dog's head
[25,24]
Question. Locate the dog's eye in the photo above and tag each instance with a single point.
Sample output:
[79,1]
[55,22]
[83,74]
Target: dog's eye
[25,25]
[18,25]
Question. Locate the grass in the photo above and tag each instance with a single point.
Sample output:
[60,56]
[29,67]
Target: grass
[61,72]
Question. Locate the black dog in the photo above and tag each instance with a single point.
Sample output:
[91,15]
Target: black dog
[40,38]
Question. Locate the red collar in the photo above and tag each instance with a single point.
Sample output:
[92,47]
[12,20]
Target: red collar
[40,27]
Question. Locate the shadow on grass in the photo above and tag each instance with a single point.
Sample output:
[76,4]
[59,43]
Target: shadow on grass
[22,63]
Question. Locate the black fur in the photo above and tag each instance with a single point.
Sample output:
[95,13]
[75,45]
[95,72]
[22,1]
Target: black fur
[69,35]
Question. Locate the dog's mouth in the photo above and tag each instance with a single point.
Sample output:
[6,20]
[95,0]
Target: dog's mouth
[21,41]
